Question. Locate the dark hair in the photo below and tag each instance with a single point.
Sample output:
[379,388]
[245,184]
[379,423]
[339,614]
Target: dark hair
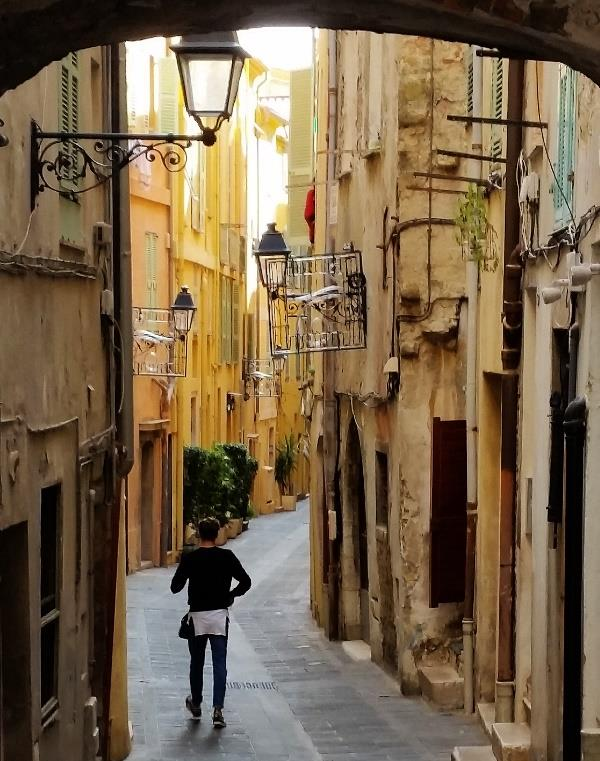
[208,528]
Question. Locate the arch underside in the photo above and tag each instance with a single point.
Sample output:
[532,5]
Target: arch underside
[35,32]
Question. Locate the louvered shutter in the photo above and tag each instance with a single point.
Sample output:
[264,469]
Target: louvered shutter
[469,82]
[300,168]
[565,144]
[228,320]
[497,106]
[150,253]
[68,114]
[448,511]
[235,318]
[168,89]
[223,319]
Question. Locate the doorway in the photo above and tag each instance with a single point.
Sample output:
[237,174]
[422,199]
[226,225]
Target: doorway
[15,674]
[147,503]
[355,495]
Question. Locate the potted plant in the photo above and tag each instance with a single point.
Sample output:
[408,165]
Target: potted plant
[285,464]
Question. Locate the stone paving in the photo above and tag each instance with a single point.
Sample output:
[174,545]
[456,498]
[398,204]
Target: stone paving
[292,694]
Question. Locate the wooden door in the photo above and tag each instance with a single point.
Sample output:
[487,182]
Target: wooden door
[448,511]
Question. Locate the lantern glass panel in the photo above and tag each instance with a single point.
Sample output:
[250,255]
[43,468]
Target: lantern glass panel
[206,83]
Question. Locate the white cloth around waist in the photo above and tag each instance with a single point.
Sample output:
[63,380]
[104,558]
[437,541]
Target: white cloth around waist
[210,622]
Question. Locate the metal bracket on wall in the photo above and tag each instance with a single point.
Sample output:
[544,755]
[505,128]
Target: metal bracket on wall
[71,163]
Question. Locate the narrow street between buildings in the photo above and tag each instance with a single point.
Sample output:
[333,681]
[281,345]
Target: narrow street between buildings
[291,693]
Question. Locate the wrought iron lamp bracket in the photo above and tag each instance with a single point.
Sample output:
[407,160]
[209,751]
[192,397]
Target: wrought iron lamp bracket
[72,163]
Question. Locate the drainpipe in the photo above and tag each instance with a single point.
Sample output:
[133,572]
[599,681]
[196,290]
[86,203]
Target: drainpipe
[123,380]
[574,429]
[331,421]
[511,353]
[471,415]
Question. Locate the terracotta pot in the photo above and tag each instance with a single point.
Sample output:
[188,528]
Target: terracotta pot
[221,536]
[237,526]
[288,502]
[231,529]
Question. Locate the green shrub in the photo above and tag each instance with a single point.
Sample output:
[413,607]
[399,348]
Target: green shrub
[245,468]
[217,482]
[208,480]
[285,463]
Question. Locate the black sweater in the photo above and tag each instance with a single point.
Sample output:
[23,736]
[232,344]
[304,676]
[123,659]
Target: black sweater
[209,571]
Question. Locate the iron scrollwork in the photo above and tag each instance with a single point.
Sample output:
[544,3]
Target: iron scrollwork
[74,163]
[319,305]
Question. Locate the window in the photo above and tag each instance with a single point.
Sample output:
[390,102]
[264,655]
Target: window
[150,249]
[565,144]
[49,598]
[381,486]
[272,446]
[497,106]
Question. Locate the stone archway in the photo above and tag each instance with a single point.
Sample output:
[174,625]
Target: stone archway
[35,32]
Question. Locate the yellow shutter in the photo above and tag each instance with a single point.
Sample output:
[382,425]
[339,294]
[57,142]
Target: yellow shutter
[300,160]
[168,90]
[235,318]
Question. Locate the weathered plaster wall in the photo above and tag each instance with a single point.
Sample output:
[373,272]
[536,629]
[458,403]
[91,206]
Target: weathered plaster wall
[431,347]
[55,399]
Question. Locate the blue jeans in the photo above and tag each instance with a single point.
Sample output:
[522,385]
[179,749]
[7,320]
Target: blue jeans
[218,647]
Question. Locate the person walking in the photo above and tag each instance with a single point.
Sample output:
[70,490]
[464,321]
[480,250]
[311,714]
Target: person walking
[209,571]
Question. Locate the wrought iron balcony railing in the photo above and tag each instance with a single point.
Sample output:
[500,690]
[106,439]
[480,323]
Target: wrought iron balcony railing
[158,348]
[261,378]
[321,307]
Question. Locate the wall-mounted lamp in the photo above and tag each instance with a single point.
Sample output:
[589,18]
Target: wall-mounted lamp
[272,257]
[210,67]
[581,274]
[183,310]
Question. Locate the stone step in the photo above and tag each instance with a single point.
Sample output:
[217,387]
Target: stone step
[442,685]
[511,742]
[487,715]
[473,753]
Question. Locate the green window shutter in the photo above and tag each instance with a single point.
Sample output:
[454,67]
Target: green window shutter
[565,144]
[168,90]
[235,317]
[497,106]
[469,80]
[150,252]
[68,121]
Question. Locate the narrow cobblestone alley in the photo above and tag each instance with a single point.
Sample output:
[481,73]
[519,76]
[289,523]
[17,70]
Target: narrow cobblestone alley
[291,693]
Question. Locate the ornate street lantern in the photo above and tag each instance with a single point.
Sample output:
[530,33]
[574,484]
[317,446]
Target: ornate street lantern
[272,258]
[210,67]
[183,310]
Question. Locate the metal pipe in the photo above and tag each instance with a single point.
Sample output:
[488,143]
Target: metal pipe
[511,353]
[331,422]
[574,428]
[471,421]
